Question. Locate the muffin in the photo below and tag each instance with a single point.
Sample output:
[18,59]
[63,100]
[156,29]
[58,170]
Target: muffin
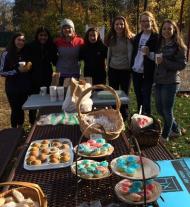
[57,144]
[53,150]
[45,151]
[34,149]
[54,156]
[45,141]
[44,146]
[65,158]
[65,147]
[30,159]
[43,157]
[36,162]
[36,145]
[34,153]
[54,161]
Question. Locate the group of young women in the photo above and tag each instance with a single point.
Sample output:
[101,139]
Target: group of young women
[150,58]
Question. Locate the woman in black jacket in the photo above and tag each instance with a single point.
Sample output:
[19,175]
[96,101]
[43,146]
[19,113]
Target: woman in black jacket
[143,65]
[43,53]
[17,83]
[94,54]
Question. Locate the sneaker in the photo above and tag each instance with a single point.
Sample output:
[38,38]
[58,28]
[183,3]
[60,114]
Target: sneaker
[175,134]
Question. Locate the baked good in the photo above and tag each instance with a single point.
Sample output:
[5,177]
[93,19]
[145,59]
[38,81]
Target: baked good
[57,144]
[30,159]
[43,157]
[34,153]
[34,149]
[56,155]
[45,150]
[65,158]
[65,147]
[36,145]
[54,160]
[36,162]
[53,150]
[45,141]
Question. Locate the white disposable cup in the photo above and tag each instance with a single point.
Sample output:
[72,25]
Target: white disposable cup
[60,93]
[22,63]
[157,56]
[43,90]
[53,93]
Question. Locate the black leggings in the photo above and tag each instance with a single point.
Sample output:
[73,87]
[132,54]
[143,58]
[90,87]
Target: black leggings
[16,100]
[120,79]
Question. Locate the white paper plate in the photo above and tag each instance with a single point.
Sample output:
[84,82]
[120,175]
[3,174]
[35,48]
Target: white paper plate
[125,197]
[151,169]
[95,156]
[73,170]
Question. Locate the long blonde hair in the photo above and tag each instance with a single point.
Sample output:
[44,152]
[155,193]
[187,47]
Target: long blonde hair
[154,24]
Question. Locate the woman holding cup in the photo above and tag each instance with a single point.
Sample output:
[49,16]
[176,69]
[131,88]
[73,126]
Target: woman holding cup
[15,68]
[170,59]
[143,65]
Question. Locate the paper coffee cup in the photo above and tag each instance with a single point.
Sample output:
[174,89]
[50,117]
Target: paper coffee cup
[43,90]
[157,56]
[60,93]
[142,49]
[53,93]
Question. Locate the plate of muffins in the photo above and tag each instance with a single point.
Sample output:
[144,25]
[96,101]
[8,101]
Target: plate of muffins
[94,148]
[128,166]
[132,192]
[91,169]
[49,154]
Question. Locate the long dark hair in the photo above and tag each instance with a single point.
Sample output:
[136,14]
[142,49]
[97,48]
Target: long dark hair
[177,37]
[13,52]
[91,29]
[45,30]
[112,34]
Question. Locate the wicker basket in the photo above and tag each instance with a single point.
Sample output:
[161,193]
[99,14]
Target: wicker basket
[29,190]
[113,115]
[148,136]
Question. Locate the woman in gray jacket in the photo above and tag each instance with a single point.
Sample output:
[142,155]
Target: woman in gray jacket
[170,60]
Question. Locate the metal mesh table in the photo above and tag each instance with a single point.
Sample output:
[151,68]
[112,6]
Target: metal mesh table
[60,184]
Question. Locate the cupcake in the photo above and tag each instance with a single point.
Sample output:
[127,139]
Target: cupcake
[36,162]
[43,157]
[45,141]
[36,145]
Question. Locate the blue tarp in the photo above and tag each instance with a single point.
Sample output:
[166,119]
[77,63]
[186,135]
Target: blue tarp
[175,180]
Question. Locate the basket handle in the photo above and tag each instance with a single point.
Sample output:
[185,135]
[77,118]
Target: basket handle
[41,196]
[99,86]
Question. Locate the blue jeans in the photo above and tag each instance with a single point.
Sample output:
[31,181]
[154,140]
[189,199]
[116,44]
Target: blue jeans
[143,90]
[165,97]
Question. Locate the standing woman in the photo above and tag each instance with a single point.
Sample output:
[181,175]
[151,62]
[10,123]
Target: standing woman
[17,83]
[167,79]
[143,65]
[94,54]
[68,51]
[119,56]
[43,54]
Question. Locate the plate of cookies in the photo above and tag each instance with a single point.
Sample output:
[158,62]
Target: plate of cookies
[128,166]
[132,192]
[91,169]
[94,148]
[49,154]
